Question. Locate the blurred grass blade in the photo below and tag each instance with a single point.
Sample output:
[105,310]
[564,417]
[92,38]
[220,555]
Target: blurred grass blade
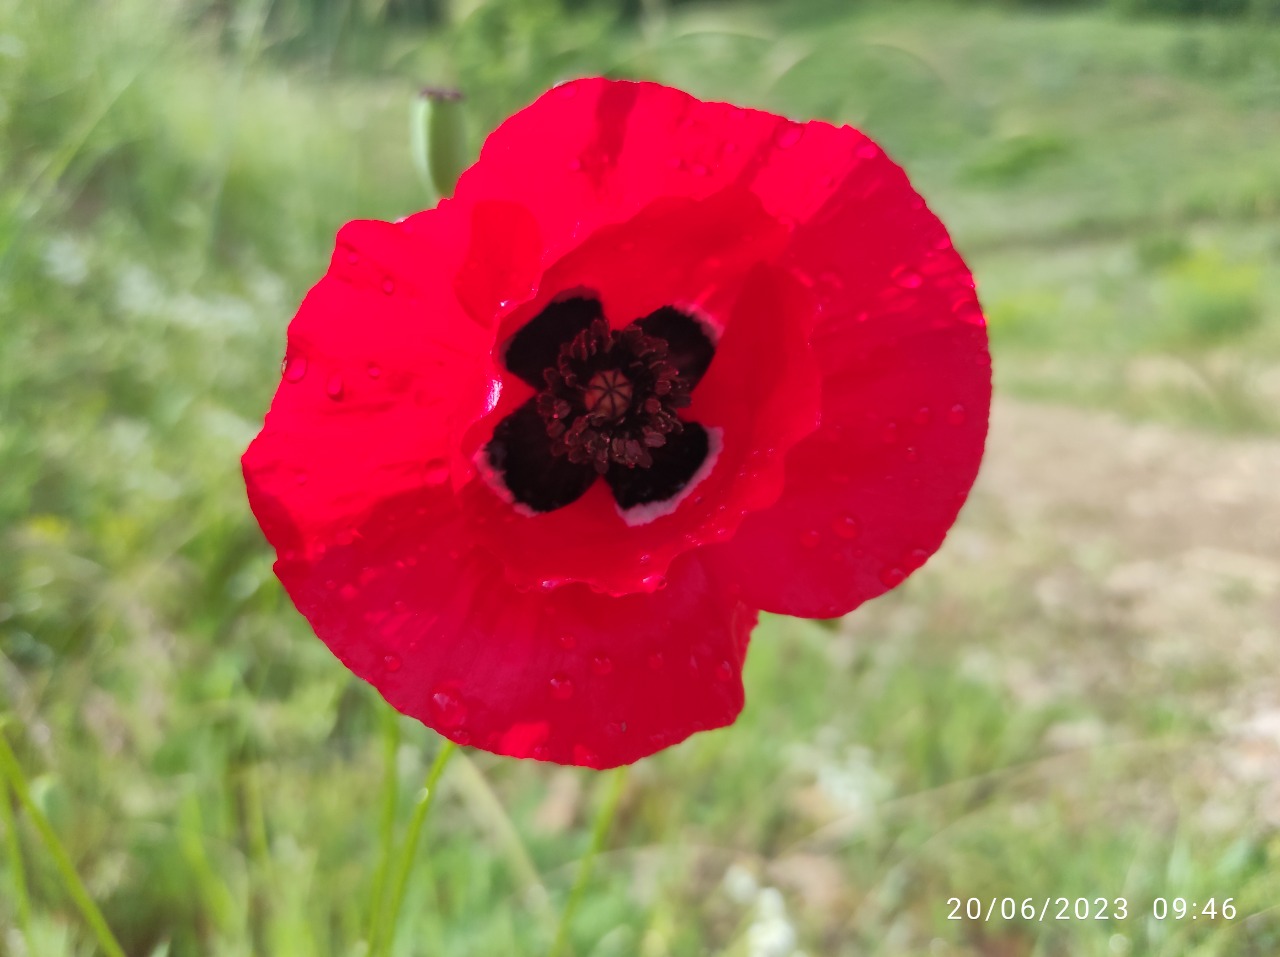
[437,138]
[22,902]
[487,809]
[599,831]
[385,939]
[12,771]
[387,823]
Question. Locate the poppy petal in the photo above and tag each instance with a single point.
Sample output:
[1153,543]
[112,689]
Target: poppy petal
[382,373]
[906,391]
[570,676]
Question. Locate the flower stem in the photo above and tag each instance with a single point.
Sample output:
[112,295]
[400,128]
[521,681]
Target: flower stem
[10,769]
[599,831]
[386,939]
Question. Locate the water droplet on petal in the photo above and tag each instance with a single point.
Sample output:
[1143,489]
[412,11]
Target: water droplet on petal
[601,665]
[789,135]
[301,478]
[892,577]
[889,434]
[810,539]
[845,527]
[912,454]
[334,387]
[656,661]
[698,169]
[867,150]
[391,662]
[388,287]
[908,278]
[449,710]
[567,642]
[294,368]
[724,671]
[645,558]
[561,688]
[956,414]
[352,259]
[348,592]
[575,165]
[922,415]
[654,582]
[374,370]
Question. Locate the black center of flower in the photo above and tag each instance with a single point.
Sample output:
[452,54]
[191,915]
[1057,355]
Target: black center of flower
[607,406]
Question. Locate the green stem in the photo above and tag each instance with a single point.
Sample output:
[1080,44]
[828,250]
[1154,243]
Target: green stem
[22,901]
[425,800]
[599,831]
[10,769]
[386,828]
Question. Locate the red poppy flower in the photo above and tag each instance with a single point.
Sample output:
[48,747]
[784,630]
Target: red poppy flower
[540,454]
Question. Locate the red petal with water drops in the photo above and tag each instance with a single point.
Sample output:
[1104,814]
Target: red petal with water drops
[569,676]
[382,374]
[906,391]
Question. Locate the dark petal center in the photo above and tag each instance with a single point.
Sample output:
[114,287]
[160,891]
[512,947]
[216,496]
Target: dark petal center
[536,345]
[606,406]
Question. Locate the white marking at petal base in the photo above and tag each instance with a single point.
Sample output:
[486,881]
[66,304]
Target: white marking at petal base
[644,514]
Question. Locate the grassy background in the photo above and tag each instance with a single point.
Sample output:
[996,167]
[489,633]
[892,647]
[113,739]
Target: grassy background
[1074,699]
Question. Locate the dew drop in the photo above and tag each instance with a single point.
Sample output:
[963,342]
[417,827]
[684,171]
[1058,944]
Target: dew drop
[348,592]
[922,415]
[892,577]
[845,527]
[889,434]
[334,388]
[449,709]
[294,368]
[956,414]
[462,736]
[567,642]
[374,370]
[301,478]
[601,665]
[912,454]
[698,169]
[789,135]
[656,661]
[645,558]
[918,557]
[908,278]
[867,150]
[575,165]
[654,582]
[352,259]
[561,688]
[810,539]
[724,671]
[391,662]
[388,287]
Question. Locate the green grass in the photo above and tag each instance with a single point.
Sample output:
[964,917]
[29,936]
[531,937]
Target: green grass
[170,187]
